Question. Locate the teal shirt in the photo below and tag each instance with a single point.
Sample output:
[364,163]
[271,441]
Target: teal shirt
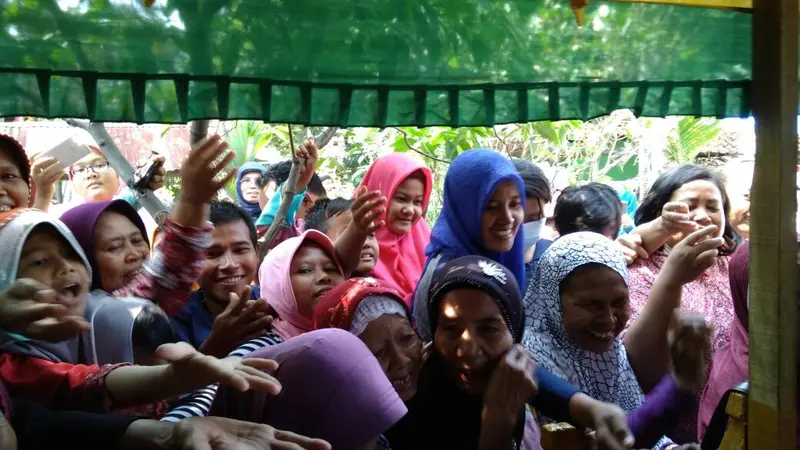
[268,214]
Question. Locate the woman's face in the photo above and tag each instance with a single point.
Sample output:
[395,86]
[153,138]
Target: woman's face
[406,205]
[398,349]
[14,190]
[313,273]
[596,307]
[471,336]
[94,179]
[249,186]
[502,217]
[120,250]
[705,206]
[47,258]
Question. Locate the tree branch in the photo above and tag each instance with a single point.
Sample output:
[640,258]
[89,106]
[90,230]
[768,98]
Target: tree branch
[325,136]
[287,194]
[290,190]
[410,147]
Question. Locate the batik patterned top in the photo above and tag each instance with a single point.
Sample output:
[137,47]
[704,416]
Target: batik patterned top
[168,276]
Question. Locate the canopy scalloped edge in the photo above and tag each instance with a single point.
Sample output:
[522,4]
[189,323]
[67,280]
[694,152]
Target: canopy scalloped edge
[170,98]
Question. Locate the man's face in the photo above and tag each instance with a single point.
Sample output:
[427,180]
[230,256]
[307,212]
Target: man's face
[231,263]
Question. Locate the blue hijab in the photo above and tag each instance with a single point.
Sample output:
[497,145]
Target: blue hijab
[471,180]
[254,209]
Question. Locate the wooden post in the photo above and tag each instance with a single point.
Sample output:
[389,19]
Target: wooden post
[773,255]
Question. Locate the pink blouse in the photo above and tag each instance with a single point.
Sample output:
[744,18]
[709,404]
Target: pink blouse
[709,295]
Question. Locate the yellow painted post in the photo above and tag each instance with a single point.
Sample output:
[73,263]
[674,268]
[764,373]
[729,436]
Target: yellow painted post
[771,410]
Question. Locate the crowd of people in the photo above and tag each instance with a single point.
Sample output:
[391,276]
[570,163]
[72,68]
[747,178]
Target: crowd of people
[363,327]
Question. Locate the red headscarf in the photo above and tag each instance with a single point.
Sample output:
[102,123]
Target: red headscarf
[337,307]
[23,162]
[402,257]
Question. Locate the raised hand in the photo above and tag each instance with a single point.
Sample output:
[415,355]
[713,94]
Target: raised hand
[30,308]
[632,248]
[203,172]
[693,255]
[307,154]
[366,209]
[689,338]
[510,387]
[46,171]
[241,321]
[188,367]
[675,219]
[159,177]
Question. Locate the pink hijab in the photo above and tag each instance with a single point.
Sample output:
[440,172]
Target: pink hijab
[402,257]
[275,280]
[729,366]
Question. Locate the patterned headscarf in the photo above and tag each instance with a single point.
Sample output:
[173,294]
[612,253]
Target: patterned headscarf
[356,302]
[608,376]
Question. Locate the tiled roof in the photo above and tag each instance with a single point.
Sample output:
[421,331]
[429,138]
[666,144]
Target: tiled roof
[135,141]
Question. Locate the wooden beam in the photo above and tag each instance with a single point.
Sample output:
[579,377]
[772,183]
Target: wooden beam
[773,253]
[721,4]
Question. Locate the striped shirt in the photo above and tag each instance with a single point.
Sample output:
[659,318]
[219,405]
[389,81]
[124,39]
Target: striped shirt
[198,404]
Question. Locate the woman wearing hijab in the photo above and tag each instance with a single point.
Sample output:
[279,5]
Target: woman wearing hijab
[729,366]
[375,312]
[18,190]
[296,275]
[576,307]
[80,373]
[115,240]
[407,184]
[482,214]
[248,178]
[332,389]
[475,384]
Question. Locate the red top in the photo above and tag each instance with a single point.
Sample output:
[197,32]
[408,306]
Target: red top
[67,386]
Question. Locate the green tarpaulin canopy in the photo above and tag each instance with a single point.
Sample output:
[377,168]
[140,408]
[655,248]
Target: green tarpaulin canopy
[368,62]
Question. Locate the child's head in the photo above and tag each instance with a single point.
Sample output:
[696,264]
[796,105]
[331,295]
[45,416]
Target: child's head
[48,253]
[114,238]
[313,272]
[295,275]
[93,178]
[591,207]
[407,204]
[151,329]
[332,216]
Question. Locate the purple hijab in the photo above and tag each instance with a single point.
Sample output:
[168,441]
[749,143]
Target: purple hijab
[82,221]
[333,389]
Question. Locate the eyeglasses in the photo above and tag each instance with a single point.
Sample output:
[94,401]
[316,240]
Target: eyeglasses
[97,168]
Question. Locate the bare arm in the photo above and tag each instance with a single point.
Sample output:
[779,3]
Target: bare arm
[646,339]
[188,371]
[366,209]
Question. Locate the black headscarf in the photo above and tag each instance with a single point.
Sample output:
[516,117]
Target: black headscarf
[441,415]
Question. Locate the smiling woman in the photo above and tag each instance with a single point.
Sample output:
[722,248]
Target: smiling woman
[294,277]
[482,214]
[15,174]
